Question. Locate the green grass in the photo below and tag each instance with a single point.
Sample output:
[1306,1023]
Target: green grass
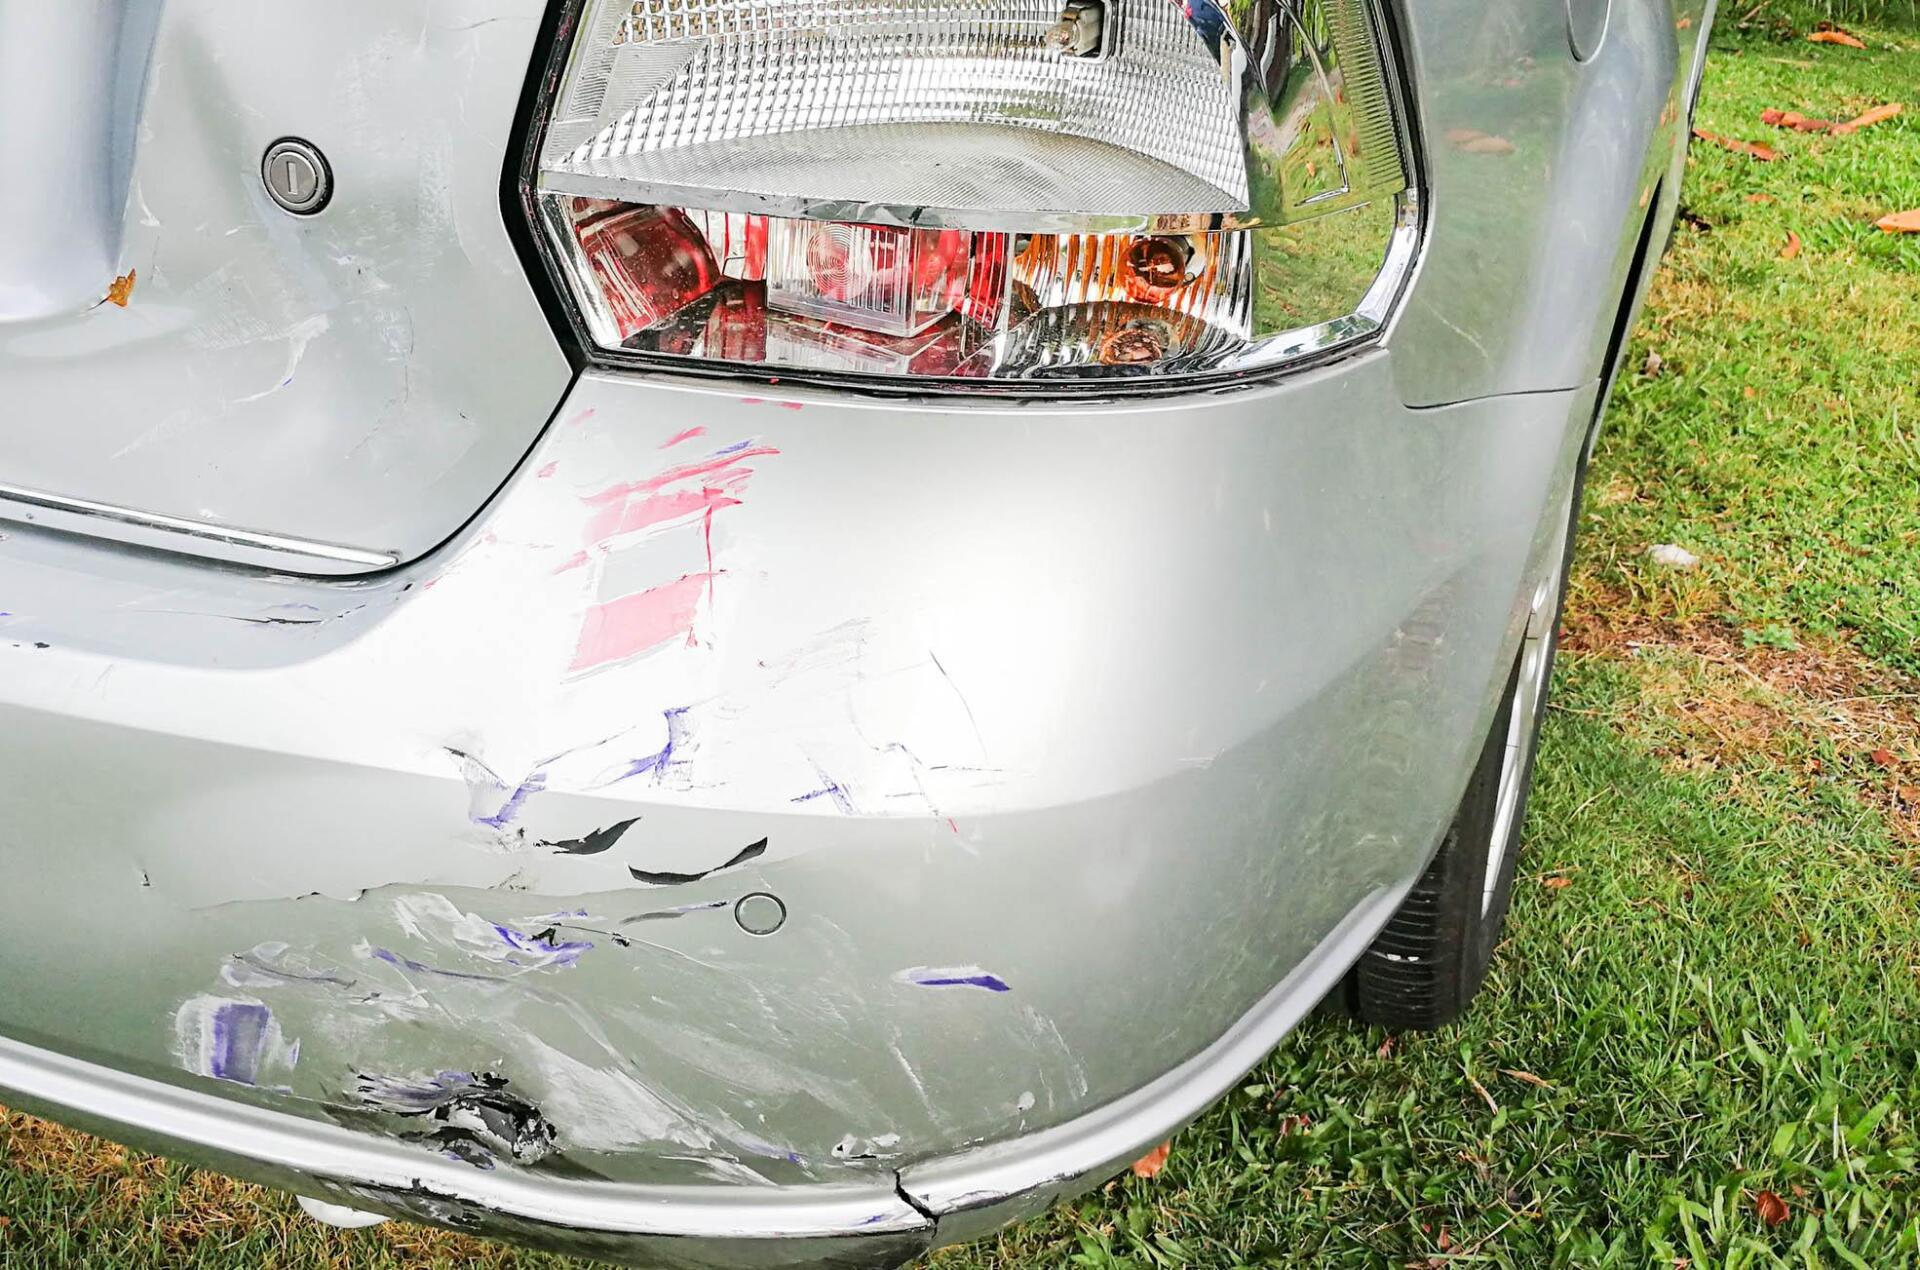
[1711,986]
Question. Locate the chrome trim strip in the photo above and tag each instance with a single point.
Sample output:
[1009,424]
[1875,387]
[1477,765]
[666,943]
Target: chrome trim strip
[1057,1161]
[277,544]
[965,1193]
[375,1172]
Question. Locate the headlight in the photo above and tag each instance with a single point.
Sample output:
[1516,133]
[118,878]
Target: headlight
[975,191]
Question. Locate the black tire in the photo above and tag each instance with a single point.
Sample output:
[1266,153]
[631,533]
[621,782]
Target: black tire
[1429,961]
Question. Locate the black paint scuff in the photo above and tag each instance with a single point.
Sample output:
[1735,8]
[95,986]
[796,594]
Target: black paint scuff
[661,877]
[594,843]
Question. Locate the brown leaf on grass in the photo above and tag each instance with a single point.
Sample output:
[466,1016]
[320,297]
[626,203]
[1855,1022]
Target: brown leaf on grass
[122,288]
[1795,120]
[1879,114]
[1760,198]
[1792,248]
[1837,36]
[1291,1124]
[1150,1164]
[1481,1089]
[1386,1048]
[1883,758]
[1900,222]
[1556,883]
[1764,153]
[1772,1209]
[1527,1078]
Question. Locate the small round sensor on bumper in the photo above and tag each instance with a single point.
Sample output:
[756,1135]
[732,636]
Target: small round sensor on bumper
[760,913]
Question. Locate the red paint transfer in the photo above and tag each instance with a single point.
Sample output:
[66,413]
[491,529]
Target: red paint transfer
[634,624]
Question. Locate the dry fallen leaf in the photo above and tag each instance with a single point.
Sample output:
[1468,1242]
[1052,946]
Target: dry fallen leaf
[1879,114]
[1150,1164]
[1764,153]
[1772,1209]
[1386,1048]
[1760,198]
[1837,37]
[1795,120]
[1883,757]
[1901,222]
[1792,248]
[1556,883]
[122,287]
[1526,1077]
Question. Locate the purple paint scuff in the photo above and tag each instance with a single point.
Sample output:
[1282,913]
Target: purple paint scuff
[954,977]
[829,788]
[228,1039]
[420,967]
[658,763]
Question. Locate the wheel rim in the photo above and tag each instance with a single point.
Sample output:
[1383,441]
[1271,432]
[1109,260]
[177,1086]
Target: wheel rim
[1530,694]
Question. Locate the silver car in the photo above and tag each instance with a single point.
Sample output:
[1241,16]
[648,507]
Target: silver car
[771,632]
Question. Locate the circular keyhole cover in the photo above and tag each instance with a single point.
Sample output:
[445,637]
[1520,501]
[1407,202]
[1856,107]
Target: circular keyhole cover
[297,176]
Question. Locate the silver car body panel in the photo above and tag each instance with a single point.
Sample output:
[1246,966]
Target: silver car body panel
[362,379]
[351,810]
[1083,744]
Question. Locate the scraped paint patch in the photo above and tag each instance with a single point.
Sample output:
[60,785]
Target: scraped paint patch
[438,922]
[393,958]
[953,977]
[660,760]
[233,1039]
[638,623]
[634,514]
[273,965]
[594,843]
[475,1117]
[662,877]
[607,1108]
[490,800]
[829,788]
[720,462]
[668,914]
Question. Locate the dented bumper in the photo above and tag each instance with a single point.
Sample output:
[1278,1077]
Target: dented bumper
[772,832]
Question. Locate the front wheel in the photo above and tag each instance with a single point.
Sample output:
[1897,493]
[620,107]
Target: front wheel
[1430,960]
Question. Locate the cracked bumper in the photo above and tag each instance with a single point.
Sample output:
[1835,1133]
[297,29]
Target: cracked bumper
[1081,748]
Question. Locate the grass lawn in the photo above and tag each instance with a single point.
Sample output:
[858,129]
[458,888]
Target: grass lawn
[1708,1009]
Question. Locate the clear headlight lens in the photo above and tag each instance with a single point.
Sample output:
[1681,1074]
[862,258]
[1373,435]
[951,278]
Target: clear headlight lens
[976,190]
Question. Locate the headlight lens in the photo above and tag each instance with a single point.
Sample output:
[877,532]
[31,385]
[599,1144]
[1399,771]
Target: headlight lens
[976,190]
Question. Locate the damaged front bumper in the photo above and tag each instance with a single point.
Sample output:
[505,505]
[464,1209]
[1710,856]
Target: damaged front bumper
[773,832]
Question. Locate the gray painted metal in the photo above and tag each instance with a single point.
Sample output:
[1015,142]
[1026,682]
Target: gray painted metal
[1046,724]
[366,376]
[71,79]
[984,684]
